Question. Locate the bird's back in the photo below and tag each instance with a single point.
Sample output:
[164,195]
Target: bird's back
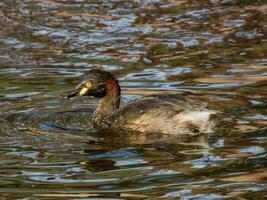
[165,113]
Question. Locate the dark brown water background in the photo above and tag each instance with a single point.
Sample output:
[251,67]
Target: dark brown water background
[214,50]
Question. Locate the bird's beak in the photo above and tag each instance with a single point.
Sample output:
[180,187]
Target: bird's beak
[80,90]
[73,94]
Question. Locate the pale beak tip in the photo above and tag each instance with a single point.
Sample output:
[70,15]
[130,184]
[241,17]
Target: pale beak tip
[71,95]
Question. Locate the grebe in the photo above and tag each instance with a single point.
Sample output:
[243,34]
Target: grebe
[159,113]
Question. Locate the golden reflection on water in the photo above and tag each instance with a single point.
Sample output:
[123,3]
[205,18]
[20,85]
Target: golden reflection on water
[213,51]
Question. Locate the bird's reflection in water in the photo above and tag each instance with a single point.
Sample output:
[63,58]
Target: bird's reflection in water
[98,165]
[112,138]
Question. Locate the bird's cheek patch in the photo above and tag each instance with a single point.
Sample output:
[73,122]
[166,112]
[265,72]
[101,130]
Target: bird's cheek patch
[83,91]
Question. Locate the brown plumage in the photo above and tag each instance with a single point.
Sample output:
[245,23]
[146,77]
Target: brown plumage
[161,113]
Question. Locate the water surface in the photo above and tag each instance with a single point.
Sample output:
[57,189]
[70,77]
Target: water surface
[214,51]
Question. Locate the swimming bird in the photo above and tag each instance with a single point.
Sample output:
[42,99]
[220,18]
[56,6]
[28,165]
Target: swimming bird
[159,113]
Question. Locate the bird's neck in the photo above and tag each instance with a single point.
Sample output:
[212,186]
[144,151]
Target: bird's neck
[107,105]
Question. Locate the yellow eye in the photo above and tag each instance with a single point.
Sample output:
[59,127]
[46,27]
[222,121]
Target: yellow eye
[88,84]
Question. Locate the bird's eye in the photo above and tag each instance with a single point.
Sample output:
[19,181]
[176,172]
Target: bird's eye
[88,84]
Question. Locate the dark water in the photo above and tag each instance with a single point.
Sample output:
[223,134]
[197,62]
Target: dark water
[215,50]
